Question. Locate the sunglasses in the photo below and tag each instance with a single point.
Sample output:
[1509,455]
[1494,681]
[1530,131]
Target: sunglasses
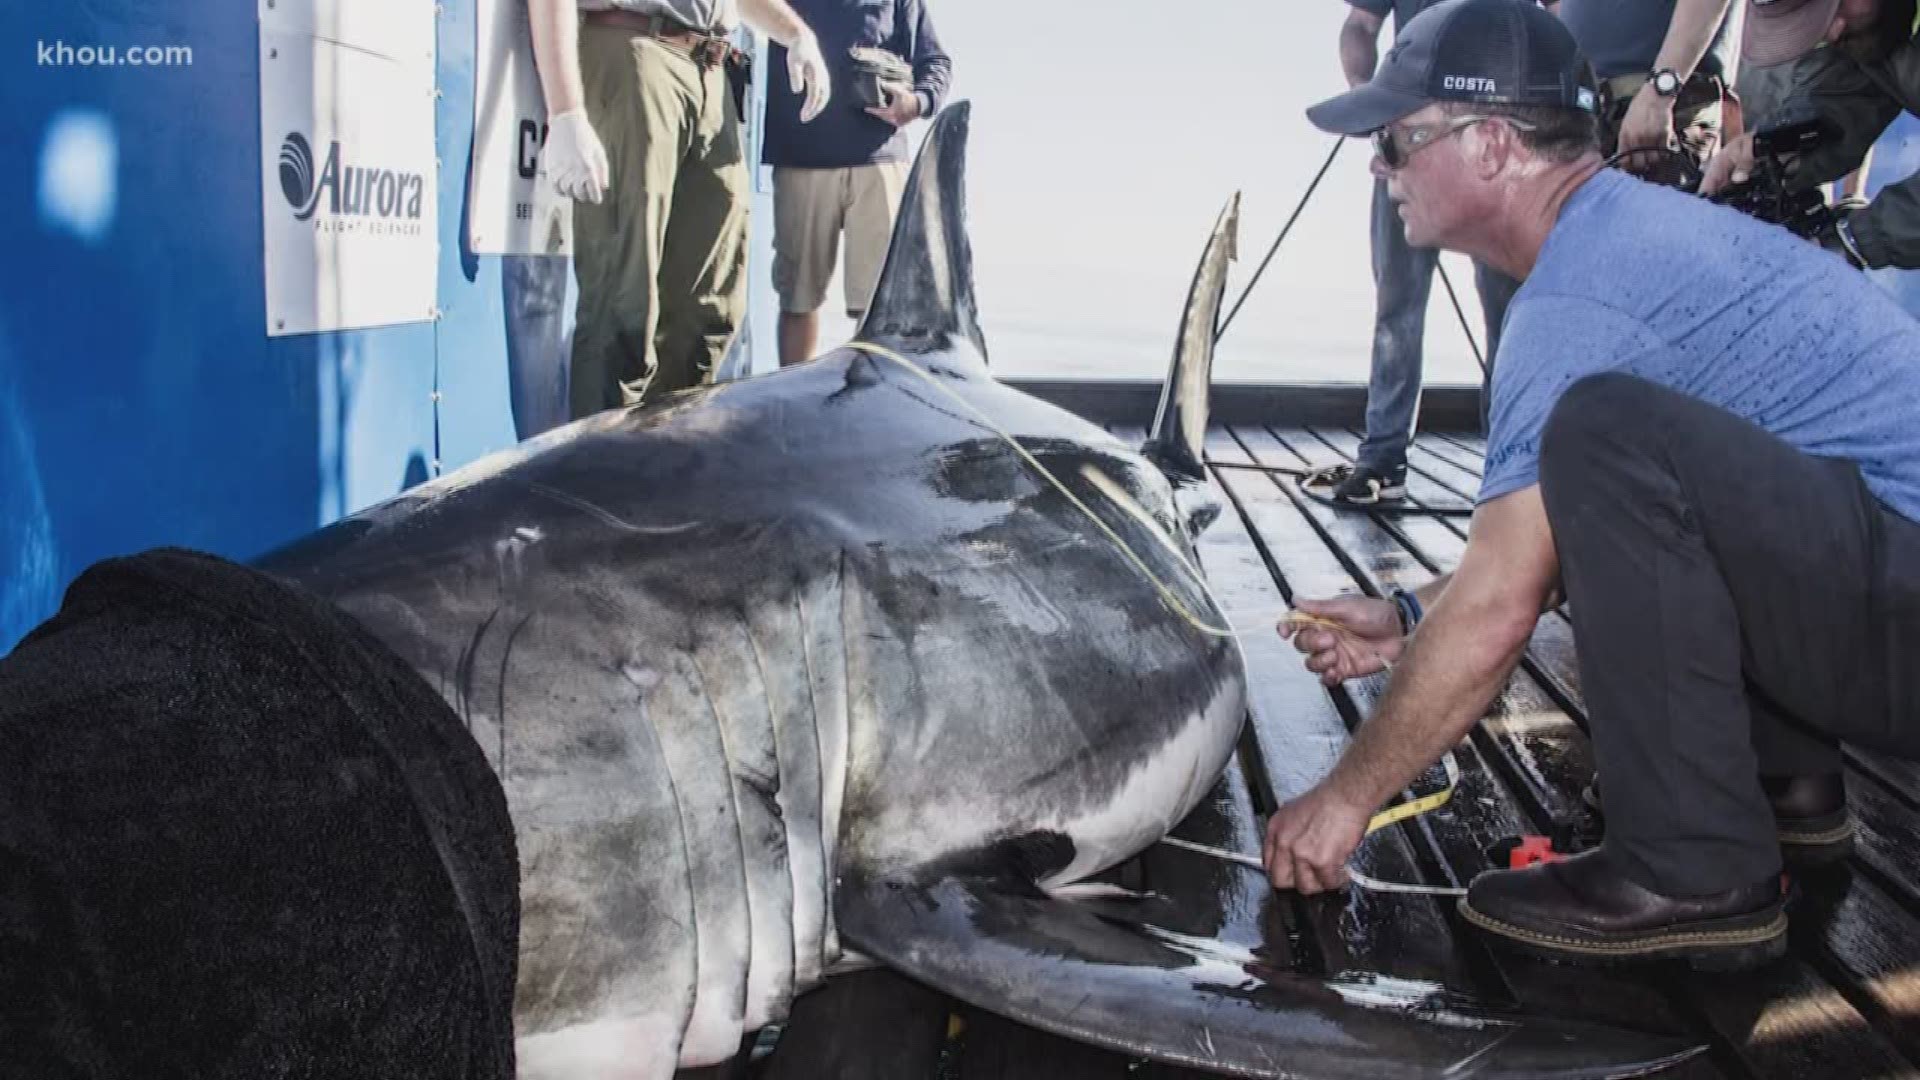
[1394,149]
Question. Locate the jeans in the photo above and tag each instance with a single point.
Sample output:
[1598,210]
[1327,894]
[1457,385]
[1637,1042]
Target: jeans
[1403,280]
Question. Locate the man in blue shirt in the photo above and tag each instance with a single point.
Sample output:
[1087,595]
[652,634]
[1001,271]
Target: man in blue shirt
[1703,434]
[1403,279]
[843,173]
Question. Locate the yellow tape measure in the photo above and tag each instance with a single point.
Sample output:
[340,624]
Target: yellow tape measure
[1412,808]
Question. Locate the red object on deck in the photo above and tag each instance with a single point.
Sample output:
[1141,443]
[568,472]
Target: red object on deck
[1533,849]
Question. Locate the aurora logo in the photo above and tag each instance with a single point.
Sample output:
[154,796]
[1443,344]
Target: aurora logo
[349,190]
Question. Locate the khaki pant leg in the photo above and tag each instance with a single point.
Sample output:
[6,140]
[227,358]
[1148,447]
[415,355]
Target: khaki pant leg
[640,106]
[876,202]
[703,269]
[809,207]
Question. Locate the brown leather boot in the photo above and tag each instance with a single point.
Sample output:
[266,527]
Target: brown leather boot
[1583,910]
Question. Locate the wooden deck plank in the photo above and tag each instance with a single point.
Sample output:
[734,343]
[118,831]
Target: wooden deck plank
[1472,443]
[1865,955]
[1901,777]
[1472,461]
[1541,752]
[1299,731]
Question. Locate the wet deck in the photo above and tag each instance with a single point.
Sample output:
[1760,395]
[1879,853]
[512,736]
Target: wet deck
[1845,1004]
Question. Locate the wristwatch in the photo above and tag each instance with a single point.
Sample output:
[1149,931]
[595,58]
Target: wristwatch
[1666,82]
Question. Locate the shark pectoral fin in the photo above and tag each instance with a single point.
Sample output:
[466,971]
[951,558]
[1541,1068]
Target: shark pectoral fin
[1057,966]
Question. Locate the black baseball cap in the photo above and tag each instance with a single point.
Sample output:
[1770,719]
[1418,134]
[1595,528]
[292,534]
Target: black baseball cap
[1504,52]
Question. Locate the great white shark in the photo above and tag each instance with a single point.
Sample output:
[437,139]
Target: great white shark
[874,652]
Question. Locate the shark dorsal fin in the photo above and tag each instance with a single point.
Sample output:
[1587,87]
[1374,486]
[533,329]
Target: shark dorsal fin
[924,301]
[1180,427]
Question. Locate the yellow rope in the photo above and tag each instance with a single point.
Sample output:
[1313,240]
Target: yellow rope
[1393,814]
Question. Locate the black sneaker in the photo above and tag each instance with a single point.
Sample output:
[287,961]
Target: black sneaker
[1356,485]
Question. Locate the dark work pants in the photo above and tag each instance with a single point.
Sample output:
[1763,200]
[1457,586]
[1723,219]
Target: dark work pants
[1403,281]
[1740,607]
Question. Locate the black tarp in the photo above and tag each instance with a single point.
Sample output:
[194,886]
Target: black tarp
[241,839]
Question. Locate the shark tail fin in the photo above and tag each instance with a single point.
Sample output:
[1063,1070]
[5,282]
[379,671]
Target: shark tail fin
[924,301]
[1180,426]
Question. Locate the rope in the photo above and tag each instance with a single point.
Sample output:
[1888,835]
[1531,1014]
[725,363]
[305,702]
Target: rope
[1106,485]
[1472,342]
[1389,816]
[1338,142]
[1364,881]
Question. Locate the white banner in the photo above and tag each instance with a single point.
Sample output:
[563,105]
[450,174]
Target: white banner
[348,177]
[509,212]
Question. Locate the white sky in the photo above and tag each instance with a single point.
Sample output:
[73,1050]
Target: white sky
[1105,139]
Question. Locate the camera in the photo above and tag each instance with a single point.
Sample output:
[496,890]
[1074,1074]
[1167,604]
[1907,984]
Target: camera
[1764,195]
[873,70]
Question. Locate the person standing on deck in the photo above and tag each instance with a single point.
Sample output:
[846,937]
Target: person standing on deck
[1703,435]
[1402,279]
[844,173]
[660,206]
[1663,67]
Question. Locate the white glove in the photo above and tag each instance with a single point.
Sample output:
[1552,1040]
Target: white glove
[573,158]
[808,70]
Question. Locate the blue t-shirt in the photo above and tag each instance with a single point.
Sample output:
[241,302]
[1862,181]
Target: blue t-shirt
[1707,301]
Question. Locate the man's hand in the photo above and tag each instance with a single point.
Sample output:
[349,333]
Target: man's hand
[808,71]
[1372,639]
[1647,127]
[902,107]
[573,158]
[1732,165]
[1310,839]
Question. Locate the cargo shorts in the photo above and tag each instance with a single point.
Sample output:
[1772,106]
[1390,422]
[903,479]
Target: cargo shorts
[812,209]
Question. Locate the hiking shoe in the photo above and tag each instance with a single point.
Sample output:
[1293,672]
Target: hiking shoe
[1583,910]
[1809,815]
[1356,485]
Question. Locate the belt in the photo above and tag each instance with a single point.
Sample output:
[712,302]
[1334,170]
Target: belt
[656,26]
